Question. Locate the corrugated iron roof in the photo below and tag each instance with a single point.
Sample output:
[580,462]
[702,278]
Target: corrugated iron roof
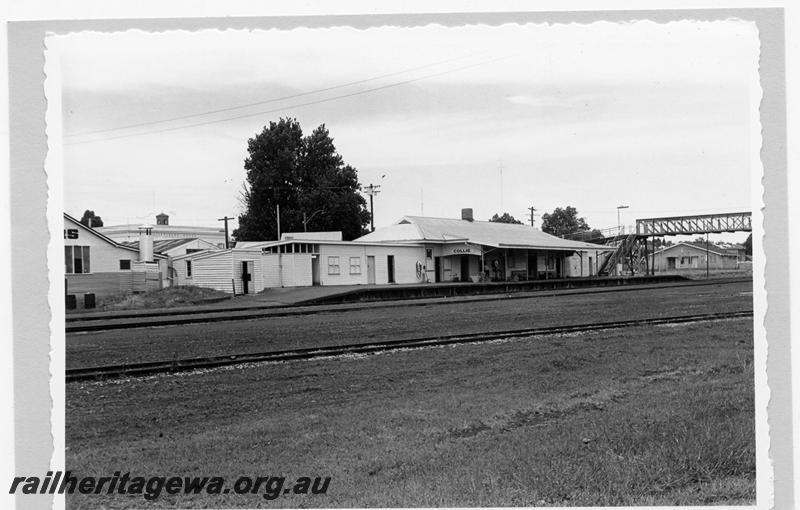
[699,247]
[161,245]
[486,233]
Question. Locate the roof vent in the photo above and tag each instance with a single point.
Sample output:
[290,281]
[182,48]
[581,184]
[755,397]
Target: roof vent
[466,214]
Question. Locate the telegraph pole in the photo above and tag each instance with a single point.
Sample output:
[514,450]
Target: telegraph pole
[533,211]
[372,190]
[225,219]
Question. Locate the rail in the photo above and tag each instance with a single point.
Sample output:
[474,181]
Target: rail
[185,365]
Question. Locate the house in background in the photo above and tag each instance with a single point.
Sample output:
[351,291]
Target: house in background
[687,256]
[95,265]
[163,231]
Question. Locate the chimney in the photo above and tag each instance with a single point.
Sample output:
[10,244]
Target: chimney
[466,214]
[146,243]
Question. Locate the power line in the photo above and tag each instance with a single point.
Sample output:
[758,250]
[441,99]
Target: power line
[310,103]
[257,103]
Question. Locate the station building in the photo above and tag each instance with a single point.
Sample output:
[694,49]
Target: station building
[96,265]
[468,250]
[413,250]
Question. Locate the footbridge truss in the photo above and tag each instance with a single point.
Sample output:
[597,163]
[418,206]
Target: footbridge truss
[687,225]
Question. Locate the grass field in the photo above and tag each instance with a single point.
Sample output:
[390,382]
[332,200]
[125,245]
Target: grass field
[639,416]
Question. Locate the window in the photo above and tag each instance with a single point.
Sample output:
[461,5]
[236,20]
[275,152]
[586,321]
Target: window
[333,265]
[428,253]
[76,259]
[125,264]
[188,269]
[355,265]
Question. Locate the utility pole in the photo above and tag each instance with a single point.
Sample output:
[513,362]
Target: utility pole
[372,190]
[278,219]
[533,213]
[225,219]
[500,168]
[619,231]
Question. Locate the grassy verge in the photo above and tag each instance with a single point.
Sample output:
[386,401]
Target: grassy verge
[163,298]
[641,416]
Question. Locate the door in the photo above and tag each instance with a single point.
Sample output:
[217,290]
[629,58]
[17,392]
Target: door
[437,268]
[390,268]
[670,262]
[591,267]
[533,266]
[315,270]
[247,275]
[464,268]
[370,270]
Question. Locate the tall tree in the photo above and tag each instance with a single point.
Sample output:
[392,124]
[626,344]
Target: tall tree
[505,218]
[90,219]
[563,221]
[306,178]
[748,245]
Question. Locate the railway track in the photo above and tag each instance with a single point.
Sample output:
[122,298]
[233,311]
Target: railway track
[92,322]
[173,366]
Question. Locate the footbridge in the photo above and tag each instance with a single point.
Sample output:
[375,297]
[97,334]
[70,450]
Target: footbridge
[631,255]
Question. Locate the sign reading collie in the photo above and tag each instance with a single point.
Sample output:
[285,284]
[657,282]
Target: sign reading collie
[461,249]
[70,233]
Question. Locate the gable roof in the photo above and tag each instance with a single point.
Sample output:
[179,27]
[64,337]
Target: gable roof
[486,233]
[163,245]
[106,238]
[699,247]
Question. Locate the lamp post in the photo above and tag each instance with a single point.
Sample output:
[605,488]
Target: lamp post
[618,218]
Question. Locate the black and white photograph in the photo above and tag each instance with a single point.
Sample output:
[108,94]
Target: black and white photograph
[398,261]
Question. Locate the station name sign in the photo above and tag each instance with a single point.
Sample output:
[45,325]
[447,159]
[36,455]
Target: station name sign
[461,249]
[70,233]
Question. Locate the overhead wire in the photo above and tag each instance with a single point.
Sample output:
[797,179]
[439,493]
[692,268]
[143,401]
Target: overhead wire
[266,101]
[300,105]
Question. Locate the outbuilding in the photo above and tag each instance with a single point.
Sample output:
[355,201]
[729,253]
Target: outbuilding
[301,262]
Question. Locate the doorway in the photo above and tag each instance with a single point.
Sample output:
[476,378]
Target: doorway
[437,269]
[390,268]
[247,275]
[464,268]
[315,270]
[370,270]
[533,267]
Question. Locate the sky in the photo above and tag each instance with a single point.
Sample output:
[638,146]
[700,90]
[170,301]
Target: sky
[657,117]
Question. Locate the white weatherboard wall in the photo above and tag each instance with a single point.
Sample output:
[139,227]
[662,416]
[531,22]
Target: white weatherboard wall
[295,270]
[103,256]
[344,252]
[405,263]
[213,271]
[256,278]
[578,266]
